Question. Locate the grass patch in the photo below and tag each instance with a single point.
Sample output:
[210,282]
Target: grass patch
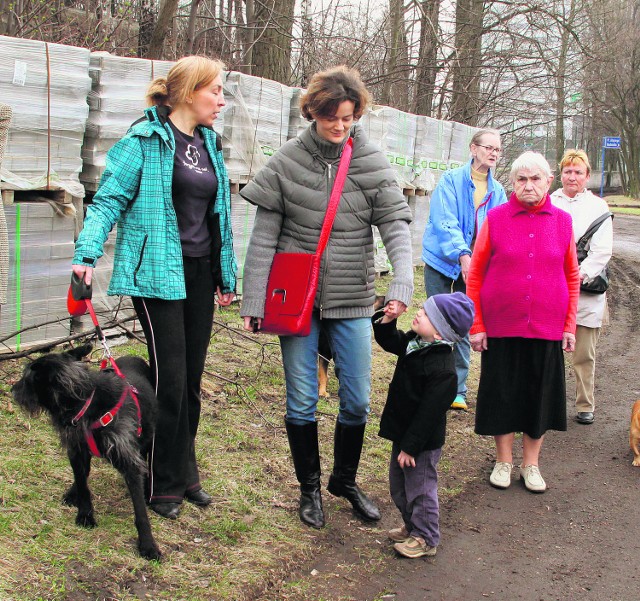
[249,542]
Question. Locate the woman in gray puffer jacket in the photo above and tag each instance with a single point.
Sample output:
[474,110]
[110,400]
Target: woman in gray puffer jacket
[292,193]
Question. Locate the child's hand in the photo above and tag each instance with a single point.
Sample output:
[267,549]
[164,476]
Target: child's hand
[394,309]
[406,460]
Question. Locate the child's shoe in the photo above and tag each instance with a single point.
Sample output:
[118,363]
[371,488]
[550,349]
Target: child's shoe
[399,535]
[414,547]
[459,403]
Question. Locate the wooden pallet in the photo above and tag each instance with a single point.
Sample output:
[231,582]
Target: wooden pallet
[59,195]
[414,192]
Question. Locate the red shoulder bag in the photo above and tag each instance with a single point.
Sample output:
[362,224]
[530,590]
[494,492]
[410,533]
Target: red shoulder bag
[293,279]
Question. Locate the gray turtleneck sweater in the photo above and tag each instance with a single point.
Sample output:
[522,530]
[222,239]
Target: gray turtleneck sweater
[292,191]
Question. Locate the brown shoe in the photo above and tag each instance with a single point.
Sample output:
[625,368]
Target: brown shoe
[414,547]
[399,535]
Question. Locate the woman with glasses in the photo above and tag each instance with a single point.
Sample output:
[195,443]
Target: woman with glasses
[457,209]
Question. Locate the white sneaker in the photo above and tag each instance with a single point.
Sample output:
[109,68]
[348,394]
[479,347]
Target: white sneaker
[501,474]
[533,480]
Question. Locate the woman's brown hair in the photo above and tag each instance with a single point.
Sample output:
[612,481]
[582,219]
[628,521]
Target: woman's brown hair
[187,76]
[328,89]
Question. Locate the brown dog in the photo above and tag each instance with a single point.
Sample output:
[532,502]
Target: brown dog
[634,433]
[325,355]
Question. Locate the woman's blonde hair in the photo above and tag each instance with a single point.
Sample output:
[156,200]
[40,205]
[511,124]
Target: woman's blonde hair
[572,157]
[187,76]
[329,89]
[477,137]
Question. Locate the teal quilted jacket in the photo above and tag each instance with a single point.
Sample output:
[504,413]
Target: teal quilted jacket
[135,193]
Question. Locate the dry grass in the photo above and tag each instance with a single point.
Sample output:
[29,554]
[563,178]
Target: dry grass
[249,543]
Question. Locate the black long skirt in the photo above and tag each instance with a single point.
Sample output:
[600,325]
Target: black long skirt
[522,387]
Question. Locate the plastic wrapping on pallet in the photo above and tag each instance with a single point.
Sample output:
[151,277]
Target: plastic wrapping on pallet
[117,99]
[46,85]
[256,123]
[242,215]
[41,246]
[395,132]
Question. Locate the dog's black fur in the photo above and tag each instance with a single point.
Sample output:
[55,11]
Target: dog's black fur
[60,383]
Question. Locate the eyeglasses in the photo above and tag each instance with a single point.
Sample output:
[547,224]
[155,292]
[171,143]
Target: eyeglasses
[490,149]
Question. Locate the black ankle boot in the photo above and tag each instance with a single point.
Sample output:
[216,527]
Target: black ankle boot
[303,442]
[346,458]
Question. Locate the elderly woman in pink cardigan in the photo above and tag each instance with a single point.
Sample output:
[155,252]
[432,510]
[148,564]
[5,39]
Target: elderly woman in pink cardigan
[524,282]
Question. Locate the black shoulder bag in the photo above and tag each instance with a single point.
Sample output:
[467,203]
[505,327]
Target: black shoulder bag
[600,283]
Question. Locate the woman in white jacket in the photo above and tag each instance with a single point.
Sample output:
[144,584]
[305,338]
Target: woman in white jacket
[584,208]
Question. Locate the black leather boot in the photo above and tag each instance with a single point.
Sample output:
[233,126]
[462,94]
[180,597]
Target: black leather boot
[303,442]
[342,482]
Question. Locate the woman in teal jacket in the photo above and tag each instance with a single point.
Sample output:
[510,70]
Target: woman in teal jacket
[457,209]
[166,187]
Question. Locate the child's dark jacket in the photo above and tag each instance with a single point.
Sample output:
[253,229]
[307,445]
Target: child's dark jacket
[423,387]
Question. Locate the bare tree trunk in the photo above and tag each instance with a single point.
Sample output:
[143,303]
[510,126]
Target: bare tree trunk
[272,49]
[427,68]
[189,46]
[467,66]
[160,31]
[395,90]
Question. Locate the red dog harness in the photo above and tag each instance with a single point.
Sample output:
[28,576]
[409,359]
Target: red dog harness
[108,417]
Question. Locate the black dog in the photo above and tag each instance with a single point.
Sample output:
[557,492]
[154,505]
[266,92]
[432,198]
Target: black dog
[79,401]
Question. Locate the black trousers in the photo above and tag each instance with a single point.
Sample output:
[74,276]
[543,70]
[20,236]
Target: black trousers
[178,335]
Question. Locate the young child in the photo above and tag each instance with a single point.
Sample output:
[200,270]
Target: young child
[423,387]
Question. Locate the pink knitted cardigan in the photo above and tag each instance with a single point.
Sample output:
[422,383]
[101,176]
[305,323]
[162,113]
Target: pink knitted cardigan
[524,277]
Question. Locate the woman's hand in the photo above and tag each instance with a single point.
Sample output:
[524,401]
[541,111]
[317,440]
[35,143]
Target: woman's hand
[252,324]
[479,341]
[84,272]
[465,263]
[224,300]
[394,309]
[406,460]
[568,342]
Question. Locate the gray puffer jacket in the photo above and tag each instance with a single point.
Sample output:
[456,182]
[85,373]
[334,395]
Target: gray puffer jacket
[292,191]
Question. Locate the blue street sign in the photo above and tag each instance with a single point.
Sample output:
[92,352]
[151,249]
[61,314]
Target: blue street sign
[607,142]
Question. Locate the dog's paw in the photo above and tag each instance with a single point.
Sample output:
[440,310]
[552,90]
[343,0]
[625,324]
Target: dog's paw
[149,551]
[70,498]
[636,462]
[86,520]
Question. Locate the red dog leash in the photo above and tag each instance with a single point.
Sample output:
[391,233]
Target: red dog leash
[78,302]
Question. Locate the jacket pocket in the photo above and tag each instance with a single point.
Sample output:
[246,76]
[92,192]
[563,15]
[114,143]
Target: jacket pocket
[216,250]
[140,260]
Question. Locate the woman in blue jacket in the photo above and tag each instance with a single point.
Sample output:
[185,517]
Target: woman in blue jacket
[166,187]
[457,209]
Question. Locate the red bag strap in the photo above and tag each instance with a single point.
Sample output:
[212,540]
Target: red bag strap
[336,193]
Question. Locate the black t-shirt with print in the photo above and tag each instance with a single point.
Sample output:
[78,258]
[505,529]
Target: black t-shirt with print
[194,187]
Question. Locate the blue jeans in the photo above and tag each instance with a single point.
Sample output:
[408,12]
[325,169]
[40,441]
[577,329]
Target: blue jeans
[436,283]
[350,341]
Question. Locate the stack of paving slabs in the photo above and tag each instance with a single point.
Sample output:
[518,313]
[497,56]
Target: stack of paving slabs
[46,85]
[117,99]
[395,132]
[41,247]
[256,122]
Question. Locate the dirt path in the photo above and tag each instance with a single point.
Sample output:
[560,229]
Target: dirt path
[580,540]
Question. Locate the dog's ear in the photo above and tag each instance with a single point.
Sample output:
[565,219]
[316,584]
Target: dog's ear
[80,351]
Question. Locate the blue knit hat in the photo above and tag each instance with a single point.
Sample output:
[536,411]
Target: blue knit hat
[450,314]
